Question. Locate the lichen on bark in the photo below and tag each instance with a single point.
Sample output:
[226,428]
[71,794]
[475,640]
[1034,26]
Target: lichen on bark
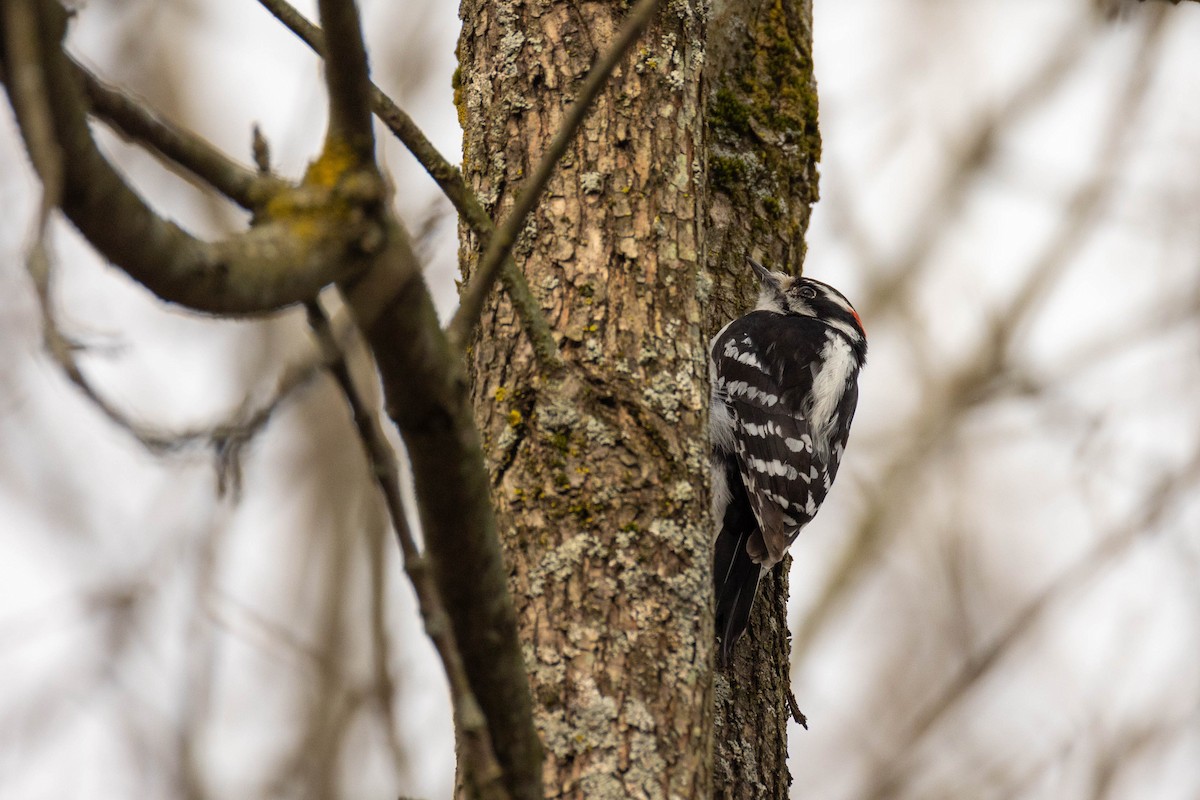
[608,557]
[600,475]
[763,148]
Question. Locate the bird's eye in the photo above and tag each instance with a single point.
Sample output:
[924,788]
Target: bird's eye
[808,292]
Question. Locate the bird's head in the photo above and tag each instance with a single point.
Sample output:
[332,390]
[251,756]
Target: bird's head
[805,297]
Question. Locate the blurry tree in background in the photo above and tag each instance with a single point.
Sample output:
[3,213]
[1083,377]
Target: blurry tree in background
[1007,607]
[999,600]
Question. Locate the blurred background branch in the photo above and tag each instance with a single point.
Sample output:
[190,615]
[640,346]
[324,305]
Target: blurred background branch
[479,766]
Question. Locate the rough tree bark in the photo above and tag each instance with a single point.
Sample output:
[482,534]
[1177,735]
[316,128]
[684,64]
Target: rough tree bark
[762,181]
[599,476]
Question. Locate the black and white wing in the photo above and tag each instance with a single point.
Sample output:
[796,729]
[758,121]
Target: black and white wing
[776,446]
[765,367]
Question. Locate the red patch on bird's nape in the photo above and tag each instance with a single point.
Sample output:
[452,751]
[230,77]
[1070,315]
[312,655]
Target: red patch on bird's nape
[858,319]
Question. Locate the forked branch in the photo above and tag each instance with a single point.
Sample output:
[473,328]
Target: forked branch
[276,263]
[449,180]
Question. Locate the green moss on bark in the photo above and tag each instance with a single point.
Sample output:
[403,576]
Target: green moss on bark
[763,129]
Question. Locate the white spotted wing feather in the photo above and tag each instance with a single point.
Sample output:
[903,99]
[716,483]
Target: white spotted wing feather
[784,389]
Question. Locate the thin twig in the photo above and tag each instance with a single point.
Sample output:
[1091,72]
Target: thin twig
[28,85]
[470,722]
[260,148]
[450,181]
[385,684]
[794,710]
[227,438]
[505,237]
[178,146]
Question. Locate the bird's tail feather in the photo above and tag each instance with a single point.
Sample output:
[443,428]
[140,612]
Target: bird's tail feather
[736,577]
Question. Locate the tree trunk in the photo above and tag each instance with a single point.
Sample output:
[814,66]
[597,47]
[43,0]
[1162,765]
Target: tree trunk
[762,181]
[600,476]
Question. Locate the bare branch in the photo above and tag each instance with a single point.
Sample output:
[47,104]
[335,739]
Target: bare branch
[27,81]
[227,438]
[317,236]
[450,181]
[470,724]
[347,76]
[426,394]
[501,243]
[177,146]
[333,226]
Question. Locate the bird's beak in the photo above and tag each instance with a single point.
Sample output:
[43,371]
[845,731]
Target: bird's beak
[765,275]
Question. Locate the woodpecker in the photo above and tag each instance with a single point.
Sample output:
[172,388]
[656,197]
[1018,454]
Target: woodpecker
[784,389]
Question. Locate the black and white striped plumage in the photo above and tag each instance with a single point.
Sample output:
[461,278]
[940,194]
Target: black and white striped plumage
[784,389]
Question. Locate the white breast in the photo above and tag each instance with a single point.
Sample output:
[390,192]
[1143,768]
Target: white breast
[829,384]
